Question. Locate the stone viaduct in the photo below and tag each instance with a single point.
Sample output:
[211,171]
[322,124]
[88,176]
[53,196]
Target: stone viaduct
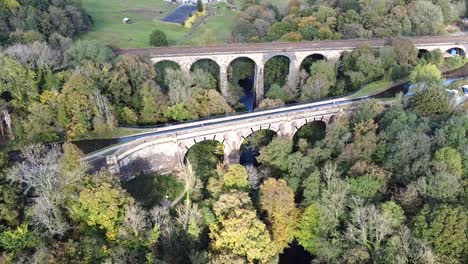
[165,150]
[297,52]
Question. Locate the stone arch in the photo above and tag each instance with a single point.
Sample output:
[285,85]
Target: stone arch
[247,133]
[249,150]
[186,146]
[423,53]
[231,60]
[247,82]
[457,51]
[160,68]
[307,61]
[280,62]
[210,66]
[320,125]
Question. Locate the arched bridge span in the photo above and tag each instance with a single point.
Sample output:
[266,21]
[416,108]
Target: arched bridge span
[164,151]
[297,52]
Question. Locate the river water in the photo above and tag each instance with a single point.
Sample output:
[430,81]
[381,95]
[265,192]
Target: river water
[248,99]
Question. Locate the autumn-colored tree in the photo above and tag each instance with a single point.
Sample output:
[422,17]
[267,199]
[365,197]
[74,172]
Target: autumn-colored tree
[102,204]
[239,230]
[277,200]
[236,178]
[292,37]
[9,4]
[75,107]
[294,6]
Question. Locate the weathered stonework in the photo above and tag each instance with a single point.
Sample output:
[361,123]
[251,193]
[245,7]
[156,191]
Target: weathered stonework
[224,59]
[167,152]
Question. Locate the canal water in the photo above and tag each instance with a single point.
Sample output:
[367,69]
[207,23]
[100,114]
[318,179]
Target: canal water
[403,88]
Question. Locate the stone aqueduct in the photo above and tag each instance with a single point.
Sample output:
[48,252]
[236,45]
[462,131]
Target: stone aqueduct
[165,150]
[297,52]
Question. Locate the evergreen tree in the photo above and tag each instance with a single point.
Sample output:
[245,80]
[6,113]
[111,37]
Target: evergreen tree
[199,6]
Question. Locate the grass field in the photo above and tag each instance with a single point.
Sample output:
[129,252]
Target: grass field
[146,15]
[375,88]
[215,30]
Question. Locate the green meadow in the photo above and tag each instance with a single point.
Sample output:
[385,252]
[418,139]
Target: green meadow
[146,15]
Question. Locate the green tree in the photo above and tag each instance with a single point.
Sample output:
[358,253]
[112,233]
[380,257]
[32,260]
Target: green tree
[199,6]
[393,213]
[10,203]
[18,81]
[299,166]
[154,103]
[450,158]
[208,103]
[426,75]
[444,228]
[440,185]
[322,78]
[311,188]
[405,51]
[179,112]
[101,203]
[236,178]
[310,228]
[41,124]
[277,200]
[92,50]
[276,154]
[128,116]
[21,238]
[432,100]
[368,110]
[427,18]
[366,186]
[276,70]
[447,9]
[158,38]
[360,67]
[9,4]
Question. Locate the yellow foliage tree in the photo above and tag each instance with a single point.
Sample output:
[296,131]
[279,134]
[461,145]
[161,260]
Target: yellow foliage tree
[277,200]
[102,204]
[238,229]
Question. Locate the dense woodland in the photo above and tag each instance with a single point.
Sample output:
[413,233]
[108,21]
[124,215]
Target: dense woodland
[387,184]
[345,19]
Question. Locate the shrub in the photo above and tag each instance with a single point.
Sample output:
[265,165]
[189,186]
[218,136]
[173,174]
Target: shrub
[158,38]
